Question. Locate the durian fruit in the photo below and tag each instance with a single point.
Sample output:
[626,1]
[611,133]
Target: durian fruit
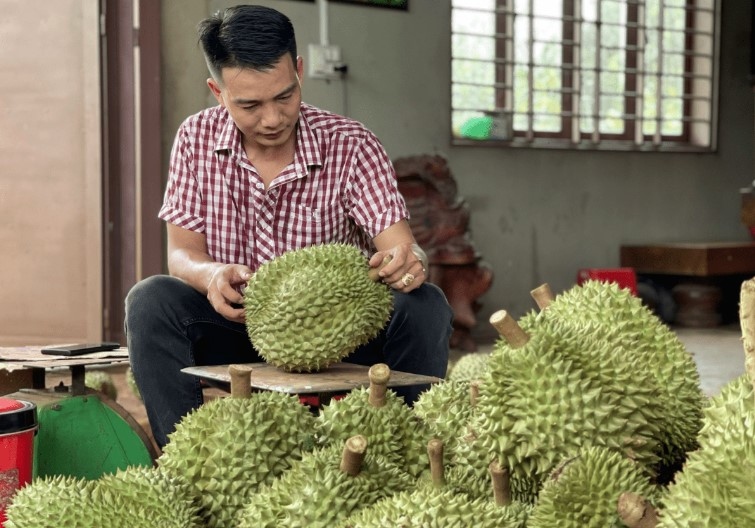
[324,488]
[715,486]
[390,426]
[445,408]
[471,366]
[542,401]
[101,381]
[131,382]
[136,496]
[633,334]
[584,490]
[437,503]
[227,448]
[311,307]
[52,502]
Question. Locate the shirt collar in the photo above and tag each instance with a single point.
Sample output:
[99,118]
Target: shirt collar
[229,137]
[307,152]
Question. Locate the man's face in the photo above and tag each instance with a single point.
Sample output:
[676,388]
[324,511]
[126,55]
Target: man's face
[264,105]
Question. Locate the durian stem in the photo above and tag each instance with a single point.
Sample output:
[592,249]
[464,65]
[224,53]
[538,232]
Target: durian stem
[635,511]
[374,272]
[509,329]
[501,483]
[747,322]
[353,454]
[241,384]
[379,375]
[474,392]
[543,296]
[435,454]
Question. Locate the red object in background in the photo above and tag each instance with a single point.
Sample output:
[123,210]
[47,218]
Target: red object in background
[18,424]
[624,277]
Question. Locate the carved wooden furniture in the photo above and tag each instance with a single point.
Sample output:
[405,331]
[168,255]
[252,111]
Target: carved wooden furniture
[440,222]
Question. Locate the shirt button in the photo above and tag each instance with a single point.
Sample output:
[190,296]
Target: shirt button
[260,185]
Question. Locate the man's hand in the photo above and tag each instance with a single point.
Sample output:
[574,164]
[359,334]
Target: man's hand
[224,290]
[405,272]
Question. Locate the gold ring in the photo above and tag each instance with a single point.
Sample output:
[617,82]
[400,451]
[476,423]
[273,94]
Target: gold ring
[407,279]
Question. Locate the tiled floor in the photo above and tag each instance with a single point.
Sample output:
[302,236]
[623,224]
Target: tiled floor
[718,353]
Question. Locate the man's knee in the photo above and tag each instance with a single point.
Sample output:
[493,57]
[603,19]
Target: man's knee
[427,303]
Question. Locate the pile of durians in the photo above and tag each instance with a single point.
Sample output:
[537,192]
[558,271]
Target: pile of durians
[588,413]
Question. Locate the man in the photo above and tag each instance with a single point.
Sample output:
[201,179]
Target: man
[260,174]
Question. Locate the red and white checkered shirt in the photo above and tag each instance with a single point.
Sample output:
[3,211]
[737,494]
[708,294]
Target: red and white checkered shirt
[341,187]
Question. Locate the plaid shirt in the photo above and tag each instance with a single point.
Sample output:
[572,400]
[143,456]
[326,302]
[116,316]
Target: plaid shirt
[341,187]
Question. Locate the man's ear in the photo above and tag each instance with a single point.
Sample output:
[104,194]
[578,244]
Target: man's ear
[300,68]
[216,91]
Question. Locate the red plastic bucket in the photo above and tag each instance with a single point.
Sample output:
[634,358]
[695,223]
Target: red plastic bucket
[18,424]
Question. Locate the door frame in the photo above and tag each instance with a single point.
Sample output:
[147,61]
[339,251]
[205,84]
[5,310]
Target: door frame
[133,245]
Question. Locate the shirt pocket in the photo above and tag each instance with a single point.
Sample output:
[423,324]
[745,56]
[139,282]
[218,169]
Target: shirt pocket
[306,225]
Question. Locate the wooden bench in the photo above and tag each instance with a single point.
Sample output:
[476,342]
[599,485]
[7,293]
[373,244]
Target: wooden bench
[716,269]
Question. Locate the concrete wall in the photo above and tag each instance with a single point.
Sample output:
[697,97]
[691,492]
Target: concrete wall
[537,215]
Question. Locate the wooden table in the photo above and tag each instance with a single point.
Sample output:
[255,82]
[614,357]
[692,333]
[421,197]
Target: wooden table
[691,259]
[25,367]
[714,265]
[338,378]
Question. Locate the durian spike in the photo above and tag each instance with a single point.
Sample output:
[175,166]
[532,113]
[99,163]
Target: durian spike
[353,454]
[241,376]
[747,322]
[501,483]
[373,273]
[543,296]
[379,375]
[509,329]
[435,454]
[635,511]
[474,392]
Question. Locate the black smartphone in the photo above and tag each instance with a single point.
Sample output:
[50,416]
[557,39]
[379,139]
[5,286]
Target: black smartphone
[81,348]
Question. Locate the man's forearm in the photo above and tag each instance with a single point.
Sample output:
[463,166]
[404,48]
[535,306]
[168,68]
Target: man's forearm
[193,267]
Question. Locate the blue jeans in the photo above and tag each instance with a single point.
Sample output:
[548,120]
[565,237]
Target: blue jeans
[170,326]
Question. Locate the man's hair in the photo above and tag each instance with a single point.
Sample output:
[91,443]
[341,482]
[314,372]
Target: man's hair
[246,36]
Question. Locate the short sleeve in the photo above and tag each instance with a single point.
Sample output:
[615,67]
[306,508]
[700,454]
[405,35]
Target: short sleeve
[375,201]
[182,203]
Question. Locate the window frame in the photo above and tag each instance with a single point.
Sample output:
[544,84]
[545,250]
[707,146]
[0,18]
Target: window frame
[633,137]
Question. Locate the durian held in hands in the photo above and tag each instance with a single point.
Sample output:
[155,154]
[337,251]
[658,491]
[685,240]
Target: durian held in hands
[312,307]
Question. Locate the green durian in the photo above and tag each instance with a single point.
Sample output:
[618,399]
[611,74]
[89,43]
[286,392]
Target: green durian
[543,401]
[390,426]
[52,502]
[137,496]
[471,366]
[715,486]
[312,307]
[131,382]
[319,490]
[583,492]
[101,381]
[227,448]
[445,408]
[633,334]
[437,502]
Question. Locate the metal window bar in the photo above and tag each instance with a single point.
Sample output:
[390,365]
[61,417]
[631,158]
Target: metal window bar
[636,92]
[575,133]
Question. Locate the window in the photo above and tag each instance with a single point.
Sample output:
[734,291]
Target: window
[604,74]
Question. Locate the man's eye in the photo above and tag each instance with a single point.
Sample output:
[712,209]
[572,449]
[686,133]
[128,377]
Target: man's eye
[249,107]
[284,97]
